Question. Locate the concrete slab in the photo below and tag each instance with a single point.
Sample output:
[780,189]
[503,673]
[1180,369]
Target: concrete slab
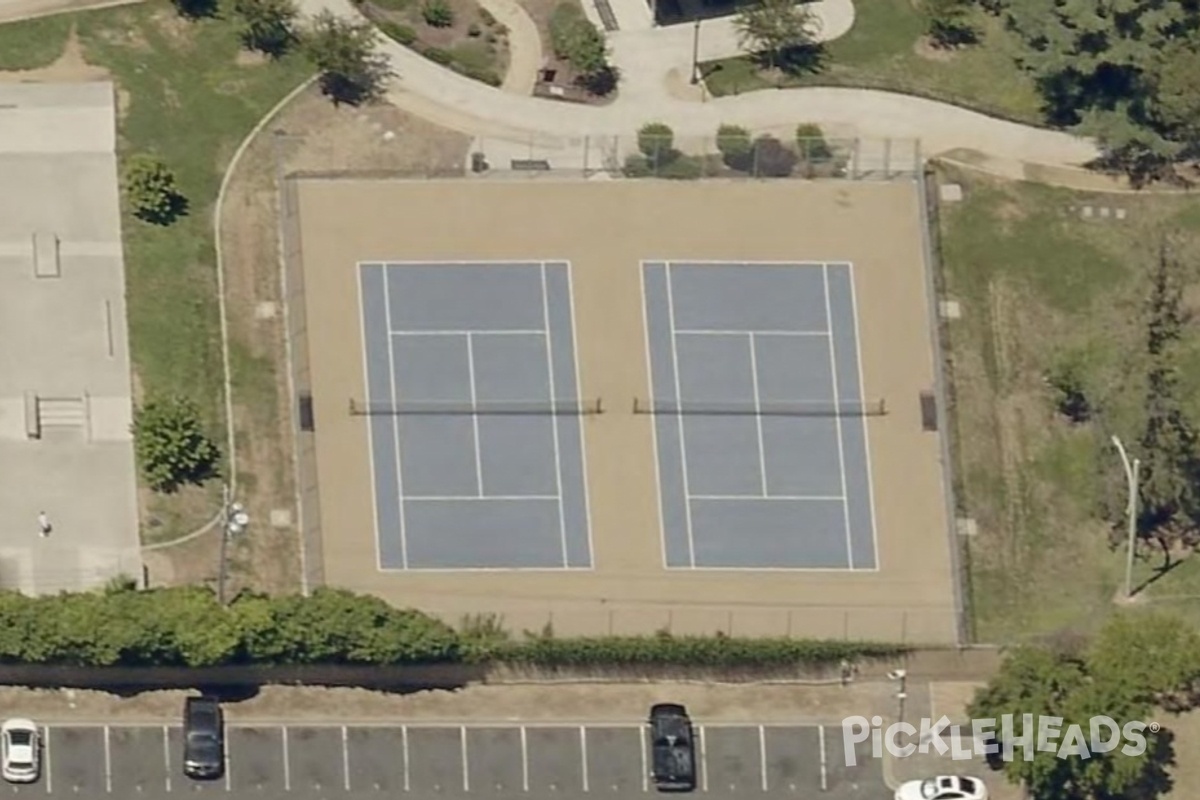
[65,374]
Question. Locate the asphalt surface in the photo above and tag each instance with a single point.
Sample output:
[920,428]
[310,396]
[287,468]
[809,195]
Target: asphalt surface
[542,761]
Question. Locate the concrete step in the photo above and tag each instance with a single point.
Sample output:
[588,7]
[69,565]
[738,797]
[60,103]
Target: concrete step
[62,412]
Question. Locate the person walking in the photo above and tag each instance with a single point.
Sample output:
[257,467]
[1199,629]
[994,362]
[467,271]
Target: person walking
[43,524]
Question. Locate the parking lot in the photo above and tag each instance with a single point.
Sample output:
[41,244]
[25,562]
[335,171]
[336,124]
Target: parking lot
[426,760]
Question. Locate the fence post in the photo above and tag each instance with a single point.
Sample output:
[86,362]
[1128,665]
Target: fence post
[587,144]
[855,155]
[887,158]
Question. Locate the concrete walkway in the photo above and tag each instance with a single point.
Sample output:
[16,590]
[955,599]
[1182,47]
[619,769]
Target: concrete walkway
[524,45]
[455,101]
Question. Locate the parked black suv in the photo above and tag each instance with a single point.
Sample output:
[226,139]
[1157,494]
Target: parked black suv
[203,738]
[673,748]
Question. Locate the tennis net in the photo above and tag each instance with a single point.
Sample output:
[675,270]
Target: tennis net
[859,408]
[440,408]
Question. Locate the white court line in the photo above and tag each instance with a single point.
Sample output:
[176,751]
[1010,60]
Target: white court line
[466,764]
[485,332]
[687,497]
[703,760]
[762,447]
[662,531]
[474,417]
[583,755]
[587,505]
[167,755]
[107,761]
[762,756]
[387,308]
[404,749]
[837,419]
[49,763]
[756,498]
[228,771]
[287,763]
[524,760]
[645,765]
[562,522]
[346,756]
[862,390]
[440,498]
[824,777]
[716,332]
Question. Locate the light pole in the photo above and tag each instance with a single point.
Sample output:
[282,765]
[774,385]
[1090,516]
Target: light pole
[696,53]
[1131,478]
[234,520]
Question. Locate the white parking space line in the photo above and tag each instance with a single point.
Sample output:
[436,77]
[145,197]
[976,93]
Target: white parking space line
[824,775]
[645,765]
[49,771]
[583,755]
[107,761]
[167,755]
[287,764]
[524,760]
[228,771]
[762,755]
[346,756]
[703,761]
[404,748]
[466,763]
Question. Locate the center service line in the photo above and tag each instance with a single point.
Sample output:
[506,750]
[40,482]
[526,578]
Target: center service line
[824,778]
[346,756]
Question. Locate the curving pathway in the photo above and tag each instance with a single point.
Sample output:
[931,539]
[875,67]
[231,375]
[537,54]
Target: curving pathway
[450,99]
[524,45]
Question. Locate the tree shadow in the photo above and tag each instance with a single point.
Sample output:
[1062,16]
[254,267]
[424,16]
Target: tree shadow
[198,9]
[175,207]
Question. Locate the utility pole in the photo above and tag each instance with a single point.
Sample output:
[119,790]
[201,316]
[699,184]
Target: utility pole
[234,520]
[1131,479]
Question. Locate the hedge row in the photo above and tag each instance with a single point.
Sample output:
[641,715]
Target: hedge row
[187,627]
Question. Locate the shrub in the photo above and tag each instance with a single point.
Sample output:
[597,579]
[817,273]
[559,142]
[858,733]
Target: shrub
[772,158]
[437,13]
[811,144]
[681,167]
[1067,380]
[735,145]
[268,26]
[656,141]
[398,32]
[438,56]
[575,39]
[150,190]
[474,31]
[486,17]
[637,166]
[170,443]
[562,23]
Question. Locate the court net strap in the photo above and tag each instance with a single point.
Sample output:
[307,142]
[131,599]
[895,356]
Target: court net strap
[436,408]
[860,408]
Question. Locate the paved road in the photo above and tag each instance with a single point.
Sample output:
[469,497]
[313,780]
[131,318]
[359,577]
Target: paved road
[538,761]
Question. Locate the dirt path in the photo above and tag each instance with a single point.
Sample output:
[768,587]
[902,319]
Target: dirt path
[524,45]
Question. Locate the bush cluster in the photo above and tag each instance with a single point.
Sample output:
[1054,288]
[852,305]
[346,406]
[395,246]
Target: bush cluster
[187,627]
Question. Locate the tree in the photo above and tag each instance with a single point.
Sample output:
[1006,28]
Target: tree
[1102,681]
[150,190]
[171,445]
[735,145]
[776,30]
[948,22]
[352,71]
[771,158]
[268,26]
[1175,103]
[1170,502]
[656,141]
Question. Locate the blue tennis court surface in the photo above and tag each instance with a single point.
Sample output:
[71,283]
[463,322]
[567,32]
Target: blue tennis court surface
[460,490]
[759,490]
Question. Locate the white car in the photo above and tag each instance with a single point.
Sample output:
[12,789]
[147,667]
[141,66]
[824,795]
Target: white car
[943,787]
[19,751]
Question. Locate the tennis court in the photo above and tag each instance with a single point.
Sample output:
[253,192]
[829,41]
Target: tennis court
[475,416]
[760,425]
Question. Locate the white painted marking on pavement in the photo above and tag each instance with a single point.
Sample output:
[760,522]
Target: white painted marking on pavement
[583,754]
[107,761]
[524,760]
[287,764]
[645,765]
[404,747]
[824,776]
[762,755]
[167,754]
[346,756]
[466,763]
[49,771]
[703,760]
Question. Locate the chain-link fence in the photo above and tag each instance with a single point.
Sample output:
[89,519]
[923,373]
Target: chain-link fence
[738,155]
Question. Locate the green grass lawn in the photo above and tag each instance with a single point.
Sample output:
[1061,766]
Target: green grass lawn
[185,97]
[881,52]
[1039,286]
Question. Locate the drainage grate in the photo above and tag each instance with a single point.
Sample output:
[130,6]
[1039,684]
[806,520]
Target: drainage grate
[306,413]
[929,420]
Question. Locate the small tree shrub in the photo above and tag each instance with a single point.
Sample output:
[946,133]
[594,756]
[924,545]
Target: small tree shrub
[437,13]
[343,52]
[150,191]
[398,32]
[268,26]
[170,443]
[735,145]
[682,168]
[656,141]
[772,158]
[811,144]
[438,56]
